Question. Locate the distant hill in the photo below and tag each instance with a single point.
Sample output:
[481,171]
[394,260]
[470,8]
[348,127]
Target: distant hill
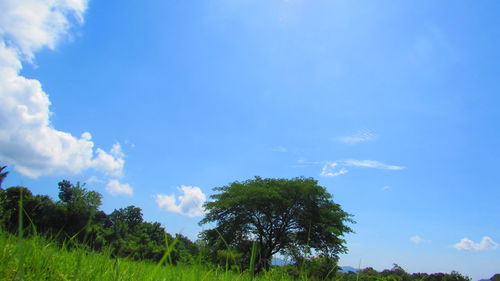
[495,277]
[279,262]
[343,269]
[347,269]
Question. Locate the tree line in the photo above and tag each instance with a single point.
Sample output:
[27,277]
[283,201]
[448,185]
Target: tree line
[76,217]
[252,221]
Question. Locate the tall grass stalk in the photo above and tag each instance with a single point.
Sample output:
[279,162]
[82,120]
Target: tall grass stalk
[252,259]
[20,233]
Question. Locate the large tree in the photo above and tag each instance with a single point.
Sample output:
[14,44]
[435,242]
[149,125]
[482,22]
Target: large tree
[291,216]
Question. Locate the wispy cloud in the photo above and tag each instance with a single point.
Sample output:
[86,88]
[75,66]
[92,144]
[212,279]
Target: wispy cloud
[338,168]
[190,202]
[281,149]
[416,239]
[384,188]
[303,161]
[359,137]
[371,164]
[486,244]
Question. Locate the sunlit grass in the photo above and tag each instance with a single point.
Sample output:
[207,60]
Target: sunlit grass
[36,258]
[39,258]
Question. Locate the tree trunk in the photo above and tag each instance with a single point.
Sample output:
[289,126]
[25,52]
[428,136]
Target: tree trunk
[264,261]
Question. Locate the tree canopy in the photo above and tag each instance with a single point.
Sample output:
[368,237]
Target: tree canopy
[289,216]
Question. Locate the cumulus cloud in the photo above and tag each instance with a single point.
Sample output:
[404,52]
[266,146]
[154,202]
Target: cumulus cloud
[486,244]
[109,163]
[359,137]
[190,202]
[114,187]
[28,141]
[29,25]
[331,169]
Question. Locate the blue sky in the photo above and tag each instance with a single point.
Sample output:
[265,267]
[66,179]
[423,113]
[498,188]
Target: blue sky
[392,106]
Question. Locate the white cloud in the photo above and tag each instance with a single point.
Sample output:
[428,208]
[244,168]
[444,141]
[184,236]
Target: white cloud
[359,137]
[371,164]
[418,240]
[190,203]
[114,187]
[386,188]
[337,168]
[486,244]
[86,136]
[30,25]
[305,162]
[110,163]
[116,150]
[28,141]
[331,169]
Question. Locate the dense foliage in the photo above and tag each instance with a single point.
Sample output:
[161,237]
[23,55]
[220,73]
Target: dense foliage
[397,273]
[318,269]
[293,217]
[76,217]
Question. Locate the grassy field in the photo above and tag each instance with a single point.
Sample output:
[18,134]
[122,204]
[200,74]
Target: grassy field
[36,258]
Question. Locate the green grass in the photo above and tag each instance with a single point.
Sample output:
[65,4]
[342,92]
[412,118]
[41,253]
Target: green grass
[37,258]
